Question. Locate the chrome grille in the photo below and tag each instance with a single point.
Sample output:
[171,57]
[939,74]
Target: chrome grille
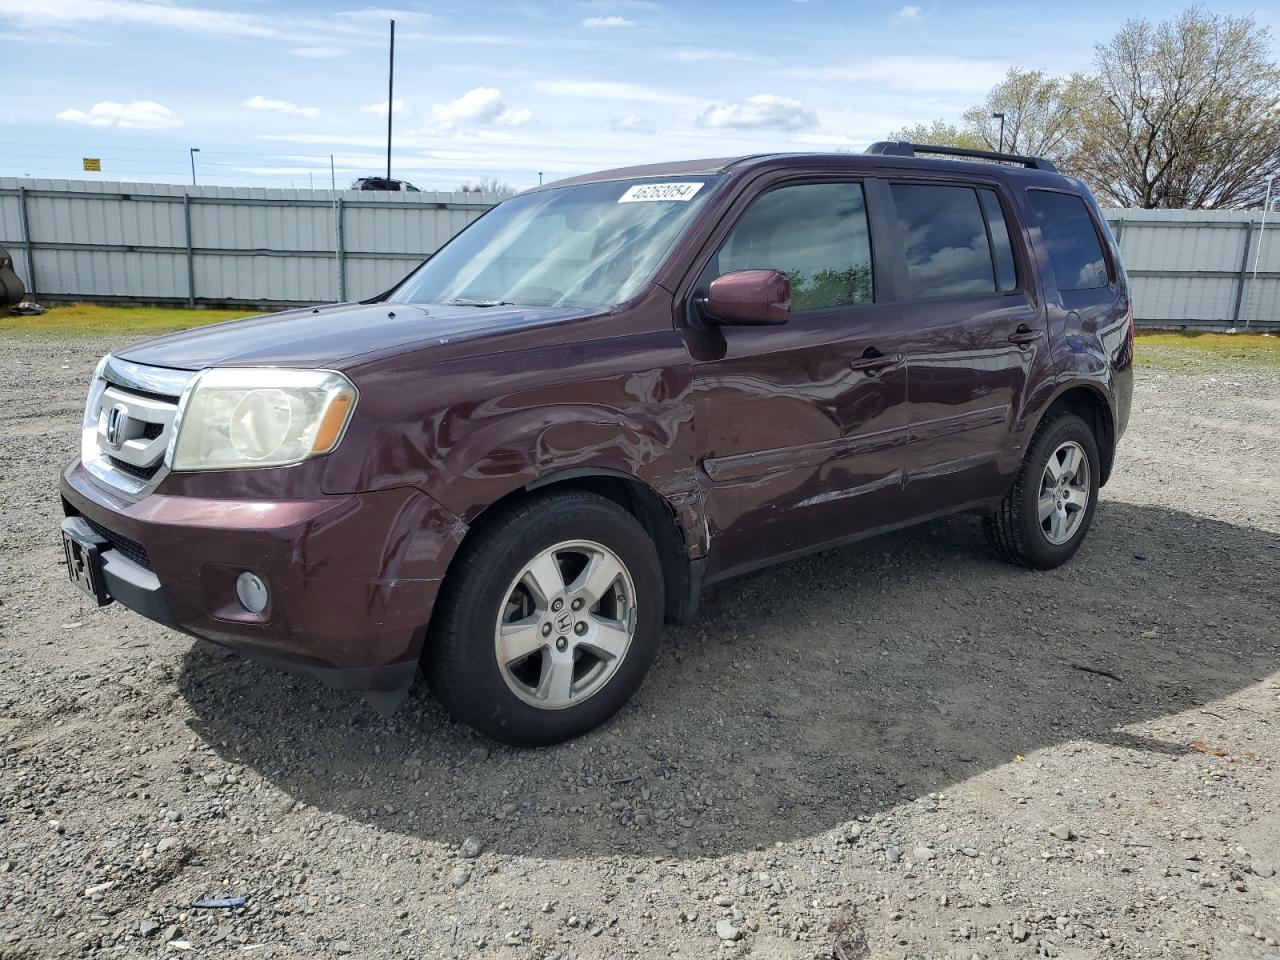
[128,422]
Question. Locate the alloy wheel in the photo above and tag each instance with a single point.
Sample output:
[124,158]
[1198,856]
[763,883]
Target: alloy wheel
[1064,493]
[565,624]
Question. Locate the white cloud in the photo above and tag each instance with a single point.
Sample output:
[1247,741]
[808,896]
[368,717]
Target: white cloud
[908,14]
[61,38]
[609,90]
[134,115]
[372,14]
[707,54]
[607,23]
[483,105]
[280,106]
[380,109]
[75,13]
[910,72]
[828,140]
[318,53]
[762,110]
[631,123]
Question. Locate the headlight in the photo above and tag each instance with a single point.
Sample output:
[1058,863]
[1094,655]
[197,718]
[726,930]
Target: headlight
[260,417]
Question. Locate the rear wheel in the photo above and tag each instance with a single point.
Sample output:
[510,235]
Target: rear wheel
[549,620]
[1045,516]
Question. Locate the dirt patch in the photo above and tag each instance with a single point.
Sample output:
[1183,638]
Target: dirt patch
[903,749]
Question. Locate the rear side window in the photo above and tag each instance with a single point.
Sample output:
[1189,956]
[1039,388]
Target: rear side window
[1001,246]
[1072,240]
[944,237]
[815,233]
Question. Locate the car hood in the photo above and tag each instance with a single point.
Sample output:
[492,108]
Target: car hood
[328,335]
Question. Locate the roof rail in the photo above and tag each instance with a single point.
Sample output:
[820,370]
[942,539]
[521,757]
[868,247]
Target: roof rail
[903,148]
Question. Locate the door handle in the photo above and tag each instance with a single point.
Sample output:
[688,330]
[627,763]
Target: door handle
[872,362]
[1024,336]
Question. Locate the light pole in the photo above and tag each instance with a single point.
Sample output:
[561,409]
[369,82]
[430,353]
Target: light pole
[391,86]
[1257,254]
[194,151]
[1000,117]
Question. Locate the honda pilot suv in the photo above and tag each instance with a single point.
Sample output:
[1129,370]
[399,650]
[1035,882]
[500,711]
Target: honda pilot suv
[597,399]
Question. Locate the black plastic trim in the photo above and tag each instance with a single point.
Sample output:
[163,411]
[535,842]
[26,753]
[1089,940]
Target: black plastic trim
[904,148]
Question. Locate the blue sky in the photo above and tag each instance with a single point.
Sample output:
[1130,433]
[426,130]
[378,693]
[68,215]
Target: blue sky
[267,89]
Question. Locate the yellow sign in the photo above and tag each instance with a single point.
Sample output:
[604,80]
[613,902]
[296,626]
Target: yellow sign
[93,163]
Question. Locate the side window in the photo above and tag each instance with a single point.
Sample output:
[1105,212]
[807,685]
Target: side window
[1001,246]
[816,233]
[944,237]
[1072,240]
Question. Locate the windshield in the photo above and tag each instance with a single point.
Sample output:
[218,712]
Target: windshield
[593,245]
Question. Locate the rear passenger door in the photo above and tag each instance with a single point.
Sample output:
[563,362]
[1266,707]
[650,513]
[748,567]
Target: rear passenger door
[973,331]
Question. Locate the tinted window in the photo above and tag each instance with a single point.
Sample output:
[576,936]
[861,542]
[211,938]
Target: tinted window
[590,245]
[1072,240]
[816,233]
[944,237]
[1001,247]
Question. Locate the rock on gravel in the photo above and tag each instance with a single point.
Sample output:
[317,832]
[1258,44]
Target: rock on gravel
[725,930]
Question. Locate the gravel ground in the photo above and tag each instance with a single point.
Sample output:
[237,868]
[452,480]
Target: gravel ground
[903,749]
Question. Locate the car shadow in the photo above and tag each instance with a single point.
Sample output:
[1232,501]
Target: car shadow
[802,697]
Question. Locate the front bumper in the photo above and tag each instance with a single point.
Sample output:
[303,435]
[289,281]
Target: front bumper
[352,578]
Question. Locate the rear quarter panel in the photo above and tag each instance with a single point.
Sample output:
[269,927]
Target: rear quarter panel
[1091,344]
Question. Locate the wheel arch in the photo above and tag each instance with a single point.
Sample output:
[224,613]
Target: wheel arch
[1090,404]
[680,573]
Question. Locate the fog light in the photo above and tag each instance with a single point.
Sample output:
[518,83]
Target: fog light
[252,592]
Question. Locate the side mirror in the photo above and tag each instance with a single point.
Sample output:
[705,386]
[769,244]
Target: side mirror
[749,298]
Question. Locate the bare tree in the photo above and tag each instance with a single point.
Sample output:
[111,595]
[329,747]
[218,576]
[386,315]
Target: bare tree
[490,185]
[1185,114]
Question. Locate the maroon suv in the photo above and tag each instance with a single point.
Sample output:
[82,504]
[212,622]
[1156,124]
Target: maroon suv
[600,397]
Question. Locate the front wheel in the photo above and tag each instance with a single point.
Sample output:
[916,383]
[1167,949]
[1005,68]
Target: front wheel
[1044,517]
[549,619]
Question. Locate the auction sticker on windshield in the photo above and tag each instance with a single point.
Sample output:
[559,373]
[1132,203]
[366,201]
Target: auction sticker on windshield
[647,192]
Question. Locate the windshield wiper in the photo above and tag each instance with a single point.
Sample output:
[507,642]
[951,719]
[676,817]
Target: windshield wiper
[468,302]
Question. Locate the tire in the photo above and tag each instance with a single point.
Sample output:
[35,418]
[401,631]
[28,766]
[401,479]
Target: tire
[1018,531]
[501,590]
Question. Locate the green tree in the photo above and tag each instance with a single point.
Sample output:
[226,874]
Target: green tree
[940,133]
[1041,118]
[1042,114]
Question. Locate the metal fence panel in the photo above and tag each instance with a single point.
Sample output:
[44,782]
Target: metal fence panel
[164,243]
[100,240]
[1194,268]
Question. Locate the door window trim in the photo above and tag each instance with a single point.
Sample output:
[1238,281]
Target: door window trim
[879,279]
[1017,242]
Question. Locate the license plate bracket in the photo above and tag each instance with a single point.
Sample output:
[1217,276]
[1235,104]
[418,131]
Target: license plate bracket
[83,549]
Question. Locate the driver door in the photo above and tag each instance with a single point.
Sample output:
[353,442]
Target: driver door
[801,425]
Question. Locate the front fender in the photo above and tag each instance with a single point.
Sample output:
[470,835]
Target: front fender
[471,431]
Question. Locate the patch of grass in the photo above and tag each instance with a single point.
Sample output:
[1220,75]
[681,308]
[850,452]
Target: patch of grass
[86,319]
[1194,350]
